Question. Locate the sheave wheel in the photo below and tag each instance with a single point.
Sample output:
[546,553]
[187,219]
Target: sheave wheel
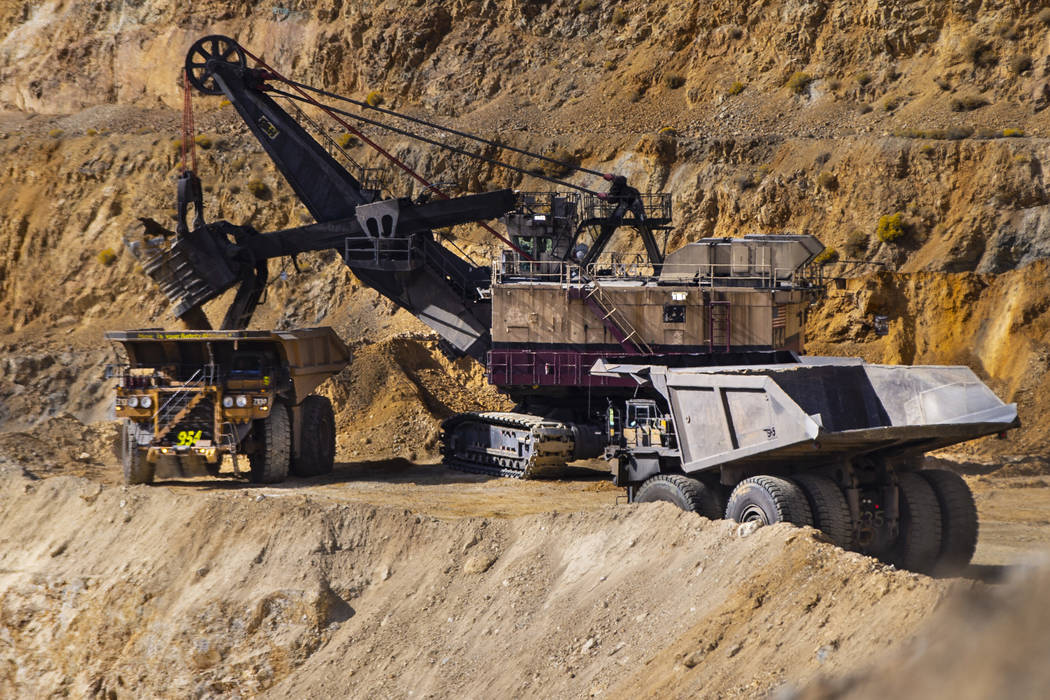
[214,47]
[768,500]
[273,437]
[317,452]
[958,520]
[683,491]
[919,543]
[829,507]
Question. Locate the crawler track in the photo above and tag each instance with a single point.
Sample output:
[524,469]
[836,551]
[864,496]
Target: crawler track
[516,445]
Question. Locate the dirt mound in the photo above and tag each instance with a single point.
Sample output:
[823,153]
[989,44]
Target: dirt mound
[157,591]
[393,397]
[65,446]
[981,644]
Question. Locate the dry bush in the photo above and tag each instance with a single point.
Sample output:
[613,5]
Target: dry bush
[1013,133]
[620,17]
[856,243]
[977,52]
[799,81]
[890,227]
[258,188]
[967,103]
[891,103]
[1020,63]
[587,5]
[673,80]
[374,99]
[1044,16]
[347,140]
[203,141]
[736,88]
[826,257]
[828,180]
[107,256]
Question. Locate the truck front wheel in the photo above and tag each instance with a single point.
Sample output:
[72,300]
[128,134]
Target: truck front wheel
[137,469]
[684,492]
[317,451]
[273,439]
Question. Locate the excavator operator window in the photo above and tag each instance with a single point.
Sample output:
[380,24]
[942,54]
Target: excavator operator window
[674,313]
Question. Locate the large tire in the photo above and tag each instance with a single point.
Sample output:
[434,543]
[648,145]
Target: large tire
[830,510]
[270,461]
[958,520]
[137,470]
[317,451]
[919,543]
[685,492]
[768,500]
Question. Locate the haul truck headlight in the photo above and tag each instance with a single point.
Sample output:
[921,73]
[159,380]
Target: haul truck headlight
[242,401]
[227,402]
[133,402]
[146,402]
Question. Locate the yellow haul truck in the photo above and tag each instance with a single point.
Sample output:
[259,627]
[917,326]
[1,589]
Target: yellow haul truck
[197,396]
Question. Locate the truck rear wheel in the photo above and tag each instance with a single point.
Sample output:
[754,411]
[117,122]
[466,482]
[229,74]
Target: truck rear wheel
[829,507]
[317,451]
[919,542]
[958,520]
[685,492]
[137,469]
[269,463]
[768,500]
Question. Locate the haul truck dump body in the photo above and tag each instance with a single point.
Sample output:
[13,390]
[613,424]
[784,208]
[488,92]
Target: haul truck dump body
[816,411]
[198,396]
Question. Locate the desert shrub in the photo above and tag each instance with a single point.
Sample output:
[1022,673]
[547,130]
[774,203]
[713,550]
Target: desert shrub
[891,103]
[374,99]
[635,95]
[565,164]
[967,103]
[745,180]
[235,189]
[927,149]
[107,256]
[978,53]
[176,145]
[258,188]
[834,84]
[864,108]
[987,132]
[1013,133]
[204,141]
[736,88]
[609,65]
[955,133]
[91,132]
[826,256]
[856,243]
[942,83]
[673,80]
[863,78]
[668,130]
[736,33]
[1044,16]
[620,17]
[347,140]
[890,227]
[1020,63]
[224,103]
[587,5]
[1008,30]
[799,81]
[56,133]
[827,180]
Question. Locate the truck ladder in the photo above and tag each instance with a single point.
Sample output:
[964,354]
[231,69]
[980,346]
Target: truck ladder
[179,404]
